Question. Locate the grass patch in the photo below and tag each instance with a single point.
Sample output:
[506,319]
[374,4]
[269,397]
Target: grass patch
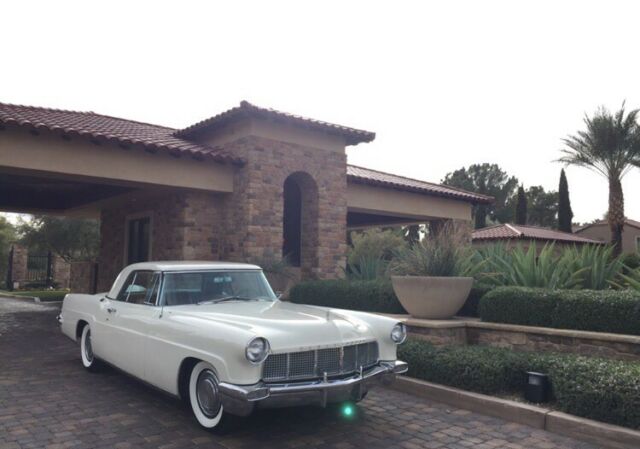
[44,295]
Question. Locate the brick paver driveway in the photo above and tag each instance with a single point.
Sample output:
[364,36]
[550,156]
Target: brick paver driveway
[48,400]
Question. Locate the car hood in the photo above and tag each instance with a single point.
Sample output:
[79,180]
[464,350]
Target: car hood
[286,325]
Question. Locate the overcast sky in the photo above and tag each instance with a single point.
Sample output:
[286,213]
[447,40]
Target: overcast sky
[443,84]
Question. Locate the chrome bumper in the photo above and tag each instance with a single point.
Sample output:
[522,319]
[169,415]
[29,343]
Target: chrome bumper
[241,400]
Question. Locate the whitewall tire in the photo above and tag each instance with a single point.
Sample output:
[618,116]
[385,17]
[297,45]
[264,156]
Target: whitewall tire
[204,395]
[89,360]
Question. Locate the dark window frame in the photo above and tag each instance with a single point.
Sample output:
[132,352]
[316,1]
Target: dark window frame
[156,285]
[135,235]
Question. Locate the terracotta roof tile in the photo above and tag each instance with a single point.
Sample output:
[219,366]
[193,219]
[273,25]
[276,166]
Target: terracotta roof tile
[511,231]
[374,177]
[110,129]
[353,136]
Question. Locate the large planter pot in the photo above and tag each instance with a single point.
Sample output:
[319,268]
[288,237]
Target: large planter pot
[430,297]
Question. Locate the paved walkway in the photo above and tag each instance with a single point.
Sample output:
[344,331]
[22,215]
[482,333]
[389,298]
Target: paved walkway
[48,400]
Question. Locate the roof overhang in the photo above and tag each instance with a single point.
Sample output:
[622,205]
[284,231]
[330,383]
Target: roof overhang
[246,110]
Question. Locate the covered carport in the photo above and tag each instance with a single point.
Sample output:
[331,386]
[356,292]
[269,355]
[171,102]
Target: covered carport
[378,199]
[76,164]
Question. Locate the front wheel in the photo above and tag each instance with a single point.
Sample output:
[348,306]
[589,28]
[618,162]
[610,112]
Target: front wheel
[204,395]
[86,351]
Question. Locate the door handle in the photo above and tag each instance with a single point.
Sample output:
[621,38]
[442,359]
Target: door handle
[111,310]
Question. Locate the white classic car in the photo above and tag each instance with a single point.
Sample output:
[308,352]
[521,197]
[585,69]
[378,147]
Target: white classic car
[215,335]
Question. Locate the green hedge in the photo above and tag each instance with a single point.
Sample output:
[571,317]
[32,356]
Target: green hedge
[470,307]
[613,311]
[369,296]
[605,390]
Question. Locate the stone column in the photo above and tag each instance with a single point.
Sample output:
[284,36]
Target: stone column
[61,271]
[19,265]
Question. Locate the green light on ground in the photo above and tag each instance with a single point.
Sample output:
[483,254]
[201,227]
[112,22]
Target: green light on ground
[347,410]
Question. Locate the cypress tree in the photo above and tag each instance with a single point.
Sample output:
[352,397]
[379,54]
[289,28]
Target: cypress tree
[565,214]
[521,207]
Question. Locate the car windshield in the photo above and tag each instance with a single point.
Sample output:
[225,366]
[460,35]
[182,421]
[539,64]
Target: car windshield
[199,287]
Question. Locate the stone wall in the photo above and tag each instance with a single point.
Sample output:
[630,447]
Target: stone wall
[61,272]
[246,225]
[576,342]
[184,226]
[253,212]
[525,338]
[81,277]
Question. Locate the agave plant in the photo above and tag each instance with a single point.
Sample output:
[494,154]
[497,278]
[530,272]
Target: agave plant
[630,280]
[596,265]
[530,268]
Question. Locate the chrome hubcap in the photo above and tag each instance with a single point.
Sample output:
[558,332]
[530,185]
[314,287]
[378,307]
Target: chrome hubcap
[207,394]
[88,350]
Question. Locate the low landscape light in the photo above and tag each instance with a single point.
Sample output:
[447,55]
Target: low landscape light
[538,387]
[348,410]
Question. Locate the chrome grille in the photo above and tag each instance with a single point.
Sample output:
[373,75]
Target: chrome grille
[313,364]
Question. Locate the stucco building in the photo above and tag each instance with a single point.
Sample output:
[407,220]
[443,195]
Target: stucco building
[245,184]
[600,231]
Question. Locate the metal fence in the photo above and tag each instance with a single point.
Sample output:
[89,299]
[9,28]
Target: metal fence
[39,267]
[39,270]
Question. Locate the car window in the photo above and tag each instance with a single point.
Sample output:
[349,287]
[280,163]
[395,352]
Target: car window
[194,287]
[141,287]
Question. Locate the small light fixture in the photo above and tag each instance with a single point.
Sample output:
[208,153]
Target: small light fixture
[538,388]
[348,410]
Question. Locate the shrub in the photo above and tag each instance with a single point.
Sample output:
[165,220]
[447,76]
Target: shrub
[374,243]
[482,369]
[367,269]
[594,388]
[631,261]
[519,305]
[591,310]
[369,296]
[615,311]
[470,307]
[442,254]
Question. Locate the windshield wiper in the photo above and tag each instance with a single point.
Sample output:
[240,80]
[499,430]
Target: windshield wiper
[227,298]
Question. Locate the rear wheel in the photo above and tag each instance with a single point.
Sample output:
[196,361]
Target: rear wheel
[89,361]
[204,396]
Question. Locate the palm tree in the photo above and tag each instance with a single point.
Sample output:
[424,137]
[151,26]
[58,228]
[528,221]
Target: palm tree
[609,146]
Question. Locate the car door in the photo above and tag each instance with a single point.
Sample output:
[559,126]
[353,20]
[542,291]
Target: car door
[126,321]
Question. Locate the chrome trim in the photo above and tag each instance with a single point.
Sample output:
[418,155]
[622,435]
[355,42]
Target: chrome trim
[288,377]
[404,338]
[243,399]
[266,353]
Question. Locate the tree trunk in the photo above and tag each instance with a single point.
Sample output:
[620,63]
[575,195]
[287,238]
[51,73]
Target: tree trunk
[616,214]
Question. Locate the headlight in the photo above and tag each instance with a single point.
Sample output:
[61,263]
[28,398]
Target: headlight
[399,333]
[257,350]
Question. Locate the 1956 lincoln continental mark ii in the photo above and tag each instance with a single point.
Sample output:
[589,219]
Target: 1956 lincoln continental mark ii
[216,335]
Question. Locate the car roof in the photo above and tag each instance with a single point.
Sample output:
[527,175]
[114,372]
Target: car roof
[190,265]
[176,265]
